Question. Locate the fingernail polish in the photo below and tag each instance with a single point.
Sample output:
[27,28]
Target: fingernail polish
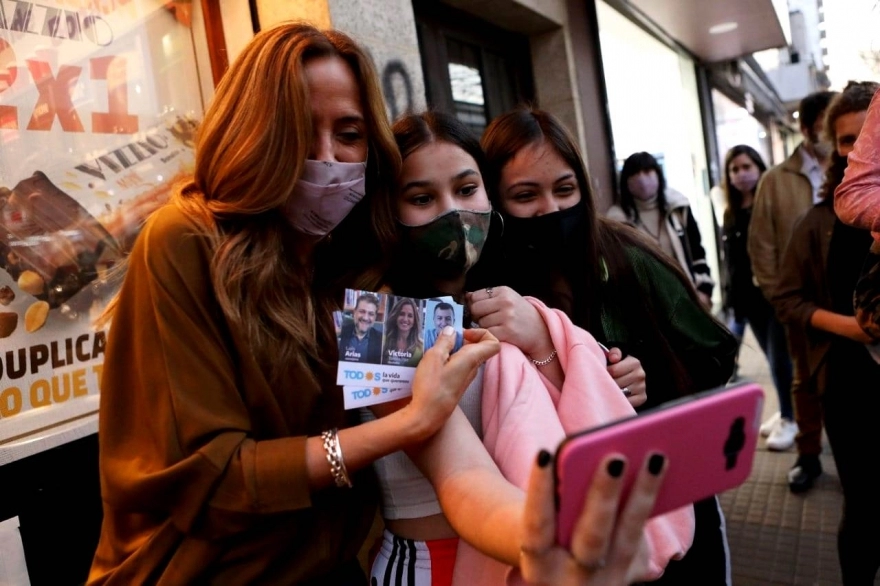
[448,331]
[655,464]
[615,468]
[544,458]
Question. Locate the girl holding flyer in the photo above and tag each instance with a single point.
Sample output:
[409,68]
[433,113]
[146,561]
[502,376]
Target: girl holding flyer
[526,399]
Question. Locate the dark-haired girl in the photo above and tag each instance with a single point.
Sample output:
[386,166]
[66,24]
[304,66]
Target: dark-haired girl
[743,168]
[444,217]
[611,281]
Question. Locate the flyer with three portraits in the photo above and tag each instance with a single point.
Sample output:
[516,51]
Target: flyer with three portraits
[382,338]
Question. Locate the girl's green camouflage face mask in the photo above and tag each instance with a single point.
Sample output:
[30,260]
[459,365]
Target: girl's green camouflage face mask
[450,244]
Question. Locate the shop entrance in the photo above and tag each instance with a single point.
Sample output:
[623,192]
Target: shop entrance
[472,68]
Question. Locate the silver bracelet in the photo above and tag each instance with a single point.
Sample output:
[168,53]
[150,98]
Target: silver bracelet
[334,458]
[544,362]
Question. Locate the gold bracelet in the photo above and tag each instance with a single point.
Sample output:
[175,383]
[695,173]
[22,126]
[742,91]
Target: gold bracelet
[334,458]
[544,362]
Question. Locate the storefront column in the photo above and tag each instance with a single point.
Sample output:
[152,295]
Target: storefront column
[386,28]
[584,26]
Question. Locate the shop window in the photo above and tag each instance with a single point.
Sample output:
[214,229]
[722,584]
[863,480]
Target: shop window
[99,106]
[98,116]
[472,68]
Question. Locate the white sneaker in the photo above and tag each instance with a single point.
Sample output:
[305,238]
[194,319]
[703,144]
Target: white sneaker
[782,438]
[772,423]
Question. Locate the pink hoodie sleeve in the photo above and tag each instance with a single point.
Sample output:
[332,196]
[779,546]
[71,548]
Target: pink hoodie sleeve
[523,413]
[857,198]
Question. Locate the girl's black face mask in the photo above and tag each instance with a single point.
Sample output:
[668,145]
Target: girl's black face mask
[549,236]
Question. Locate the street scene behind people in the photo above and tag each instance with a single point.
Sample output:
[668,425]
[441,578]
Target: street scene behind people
[418,292]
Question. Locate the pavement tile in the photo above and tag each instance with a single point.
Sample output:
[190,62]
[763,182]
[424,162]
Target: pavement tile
[778,538]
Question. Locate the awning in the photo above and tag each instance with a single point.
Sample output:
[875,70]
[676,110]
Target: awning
[719,30]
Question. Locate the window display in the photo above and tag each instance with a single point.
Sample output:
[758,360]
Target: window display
[99,103]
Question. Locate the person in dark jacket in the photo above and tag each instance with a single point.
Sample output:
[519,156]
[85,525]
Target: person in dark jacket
[665,215]
[610,280]
[743,168]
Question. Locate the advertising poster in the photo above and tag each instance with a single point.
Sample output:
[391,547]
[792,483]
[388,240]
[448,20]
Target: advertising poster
[99,102]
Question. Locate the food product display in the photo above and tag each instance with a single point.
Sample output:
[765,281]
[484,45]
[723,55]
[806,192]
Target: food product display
[60,236]
[50,244]
[35,316]
[7,295]
[8,323]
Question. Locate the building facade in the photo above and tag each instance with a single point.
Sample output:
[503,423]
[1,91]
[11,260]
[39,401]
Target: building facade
[671,77]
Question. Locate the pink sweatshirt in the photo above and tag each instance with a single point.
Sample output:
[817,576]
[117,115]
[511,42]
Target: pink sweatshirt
[857,198]
[523,413]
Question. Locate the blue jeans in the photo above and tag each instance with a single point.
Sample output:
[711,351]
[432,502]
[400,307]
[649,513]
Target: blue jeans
[771,337]
[737,327]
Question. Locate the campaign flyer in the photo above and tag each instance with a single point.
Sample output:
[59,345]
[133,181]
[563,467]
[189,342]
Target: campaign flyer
[382,338]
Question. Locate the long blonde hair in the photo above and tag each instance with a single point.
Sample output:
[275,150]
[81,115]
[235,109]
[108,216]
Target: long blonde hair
[250,151]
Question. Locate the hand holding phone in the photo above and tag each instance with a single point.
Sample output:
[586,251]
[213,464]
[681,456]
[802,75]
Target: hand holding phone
[708,439]
[605,549]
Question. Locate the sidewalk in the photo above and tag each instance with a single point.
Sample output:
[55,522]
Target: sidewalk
[776,537]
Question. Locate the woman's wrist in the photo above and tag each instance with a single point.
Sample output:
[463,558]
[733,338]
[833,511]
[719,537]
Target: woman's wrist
[543,358]
[414,426]
[542,347]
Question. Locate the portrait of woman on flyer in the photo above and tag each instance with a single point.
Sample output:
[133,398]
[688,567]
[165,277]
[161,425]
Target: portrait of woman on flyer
[404,344]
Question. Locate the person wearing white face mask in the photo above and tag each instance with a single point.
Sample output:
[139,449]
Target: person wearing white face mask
[743,168]
[664,214]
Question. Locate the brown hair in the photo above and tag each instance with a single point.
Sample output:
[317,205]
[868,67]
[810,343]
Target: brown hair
[508,134]
[250,151]
[855,97]
[600,270]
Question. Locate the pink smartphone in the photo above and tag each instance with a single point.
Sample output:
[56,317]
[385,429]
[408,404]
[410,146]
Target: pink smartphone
[709,440]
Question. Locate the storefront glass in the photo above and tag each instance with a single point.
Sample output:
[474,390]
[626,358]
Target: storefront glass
[99,102]
[654,107]
[734,125]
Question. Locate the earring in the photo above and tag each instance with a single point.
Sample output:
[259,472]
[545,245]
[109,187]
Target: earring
[500,219]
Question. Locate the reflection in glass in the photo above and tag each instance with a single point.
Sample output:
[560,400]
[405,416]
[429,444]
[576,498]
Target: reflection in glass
[466,78]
